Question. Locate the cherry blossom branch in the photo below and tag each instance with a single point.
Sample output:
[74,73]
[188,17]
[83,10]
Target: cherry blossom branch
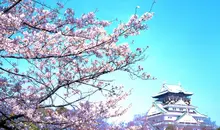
[3,122]
[65,54]
[12,6]
[152,5]
[70,103]
[78,80]
[21,75]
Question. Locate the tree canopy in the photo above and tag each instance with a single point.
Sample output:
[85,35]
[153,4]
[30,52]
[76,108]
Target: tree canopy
[48,55]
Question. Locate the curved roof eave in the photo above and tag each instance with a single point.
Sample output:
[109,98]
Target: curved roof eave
[166,88]
[160,94]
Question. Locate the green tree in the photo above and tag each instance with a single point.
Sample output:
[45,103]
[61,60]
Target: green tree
[171,127]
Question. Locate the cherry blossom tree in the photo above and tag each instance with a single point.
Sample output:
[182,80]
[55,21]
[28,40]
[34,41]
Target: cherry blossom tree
[140,122]
[48,55]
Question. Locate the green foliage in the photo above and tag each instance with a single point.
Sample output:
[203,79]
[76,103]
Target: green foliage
[32,126]
[61,110]
[218,128]
[170,127]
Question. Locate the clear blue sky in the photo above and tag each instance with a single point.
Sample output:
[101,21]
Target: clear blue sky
[184,40]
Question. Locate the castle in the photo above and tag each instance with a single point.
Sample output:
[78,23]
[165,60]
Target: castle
[172,106]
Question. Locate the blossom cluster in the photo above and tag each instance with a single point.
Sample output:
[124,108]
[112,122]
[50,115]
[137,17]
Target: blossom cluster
[45,58]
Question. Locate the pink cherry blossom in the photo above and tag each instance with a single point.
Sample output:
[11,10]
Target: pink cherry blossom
[51,65]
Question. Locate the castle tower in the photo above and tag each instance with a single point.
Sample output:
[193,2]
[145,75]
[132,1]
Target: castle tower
[172,106]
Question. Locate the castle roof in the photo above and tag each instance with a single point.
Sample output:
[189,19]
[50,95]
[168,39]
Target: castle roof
[174,106]
[179,106]
[156,109]
[179,114]
[180,102]
[187,118]
[166,88]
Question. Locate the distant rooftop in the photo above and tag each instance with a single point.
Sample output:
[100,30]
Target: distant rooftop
[187,118]
[167,88]
[173,106]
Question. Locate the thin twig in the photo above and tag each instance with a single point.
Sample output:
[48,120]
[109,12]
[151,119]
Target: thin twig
[12,6]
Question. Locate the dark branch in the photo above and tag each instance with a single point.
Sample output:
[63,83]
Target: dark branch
[12,6]
[152,5]
[70,103]
[3,122]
